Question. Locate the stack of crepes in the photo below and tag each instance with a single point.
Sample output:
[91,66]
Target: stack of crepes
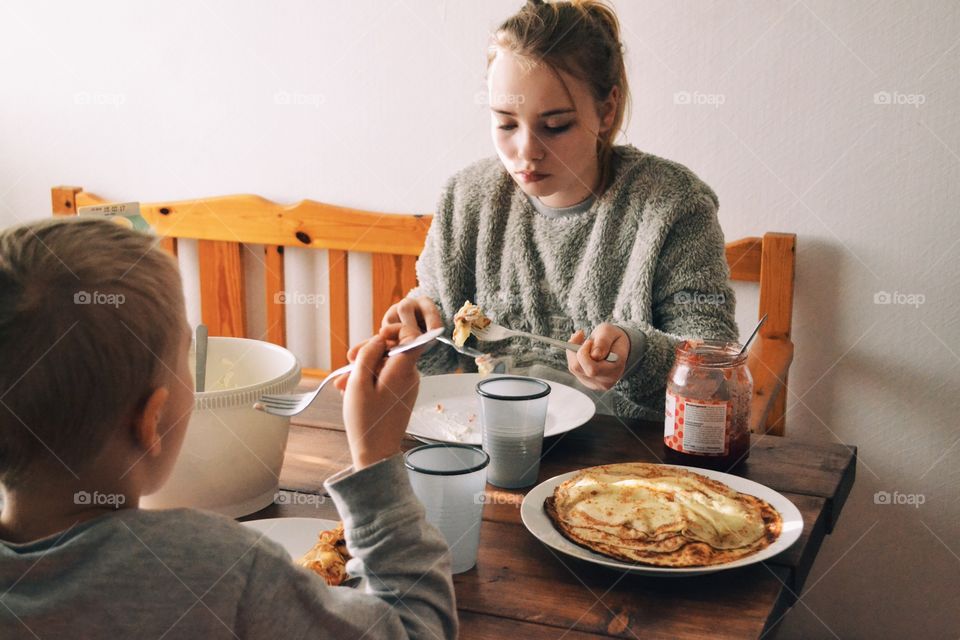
[660,515]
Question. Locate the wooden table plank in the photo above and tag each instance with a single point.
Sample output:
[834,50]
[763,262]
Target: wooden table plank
[476,626]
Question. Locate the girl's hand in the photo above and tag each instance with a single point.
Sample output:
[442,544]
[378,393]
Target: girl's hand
[391,334]
[420,311]
[589,364]
[410,312]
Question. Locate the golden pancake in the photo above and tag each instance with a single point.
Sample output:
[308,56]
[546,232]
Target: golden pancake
[328,557]
[660,515]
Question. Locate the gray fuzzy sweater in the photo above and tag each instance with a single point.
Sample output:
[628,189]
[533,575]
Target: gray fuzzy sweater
[647,256]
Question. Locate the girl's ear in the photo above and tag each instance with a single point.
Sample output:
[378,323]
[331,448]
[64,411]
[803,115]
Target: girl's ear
[146,423]
[608,109]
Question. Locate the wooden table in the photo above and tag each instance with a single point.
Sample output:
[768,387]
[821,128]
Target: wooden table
[521,588]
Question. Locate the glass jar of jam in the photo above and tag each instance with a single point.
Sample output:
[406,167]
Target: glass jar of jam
[708,406]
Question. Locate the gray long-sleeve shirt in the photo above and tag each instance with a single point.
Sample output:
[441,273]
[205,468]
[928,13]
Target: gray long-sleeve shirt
[647,255]
[190,574]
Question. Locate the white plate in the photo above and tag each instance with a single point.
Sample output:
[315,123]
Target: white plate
[296,535]
[460,419]
[540,525]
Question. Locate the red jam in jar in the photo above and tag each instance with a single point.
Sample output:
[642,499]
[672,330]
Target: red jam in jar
[707,411]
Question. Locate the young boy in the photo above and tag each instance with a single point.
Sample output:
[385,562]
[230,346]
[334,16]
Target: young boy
[95,396]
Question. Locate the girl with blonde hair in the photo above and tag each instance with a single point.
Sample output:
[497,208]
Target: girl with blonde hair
[567,234]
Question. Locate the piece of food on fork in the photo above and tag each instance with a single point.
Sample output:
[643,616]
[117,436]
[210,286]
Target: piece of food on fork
[465,320]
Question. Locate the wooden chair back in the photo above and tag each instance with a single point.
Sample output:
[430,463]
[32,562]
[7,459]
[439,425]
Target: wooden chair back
[769,261]
[221,225]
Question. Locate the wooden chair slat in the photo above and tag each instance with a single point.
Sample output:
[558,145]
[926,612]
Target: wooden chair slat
[768,360]
[393,277]
[170,244]
[222,288]
[255,220]
[777,268]
[64,200]
[776,283]
[743,258]
[339,307]
[275,289]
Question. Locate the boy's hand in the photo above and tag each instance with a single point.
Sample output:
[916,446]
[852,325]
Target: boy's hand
[379,398]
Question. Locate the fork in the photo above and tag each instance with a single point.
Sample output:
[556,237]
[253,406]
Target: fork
[499,367]
[291,404]
[465,350]
[494,332]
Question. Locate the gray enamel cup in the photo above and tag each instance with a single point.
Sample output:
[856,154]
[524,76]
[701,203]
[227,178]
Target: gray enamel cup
[449,479]
[513,411]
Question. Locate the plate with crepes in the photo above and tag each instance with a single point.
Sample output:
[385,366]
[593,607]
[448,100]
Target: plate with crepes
[314,543]
[447,409]
[661,520]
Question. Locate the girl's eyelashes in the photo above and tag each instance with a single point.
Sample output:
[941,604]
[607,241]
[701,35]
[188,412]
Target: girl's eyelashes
[558,129]
[549,130]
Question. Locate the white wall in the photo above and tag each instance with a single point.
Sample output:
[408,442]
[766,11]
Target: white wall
[183,102]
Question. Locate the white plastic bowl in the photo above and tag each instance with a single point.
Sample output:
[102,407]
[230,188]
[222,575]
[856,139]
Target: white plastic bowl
[231,456]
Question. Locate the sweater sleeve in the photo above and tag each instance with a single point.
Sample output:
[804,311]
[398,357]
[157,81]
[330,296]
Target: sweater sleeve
[406,590]
[690,298]
[444,276]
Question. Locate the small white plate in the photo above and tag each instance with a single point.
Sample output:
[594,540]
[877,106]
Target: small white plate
[540,525]
[459,420]
[296,535]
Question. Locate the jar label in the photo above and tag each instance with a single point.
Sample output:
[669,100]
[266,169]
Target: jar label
[670,411]
[698,427]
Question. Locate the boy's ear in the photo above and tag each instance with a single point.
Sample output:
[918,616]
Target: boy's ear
[146,423]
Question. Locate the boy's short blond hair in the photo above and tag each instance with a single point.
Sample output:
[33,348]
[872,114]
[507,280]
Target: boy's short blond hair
[91,318]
